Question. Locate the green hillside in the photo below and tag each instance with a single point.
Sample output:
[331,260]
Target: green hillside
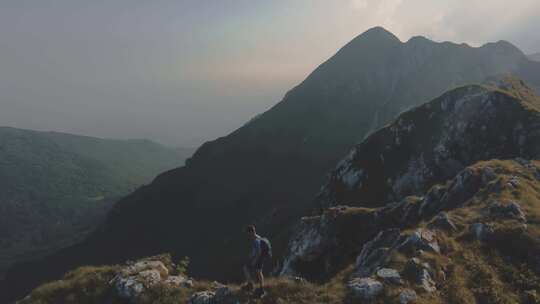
[55,187]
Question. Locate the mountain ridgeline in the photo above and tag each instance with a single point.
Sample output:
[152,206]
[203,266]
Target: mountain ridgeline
[268,171]
[440,206]
[57,187]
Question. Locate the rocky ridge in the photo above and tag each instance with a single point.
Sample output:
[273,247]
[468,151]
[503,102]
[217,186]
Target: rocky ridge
[432,142]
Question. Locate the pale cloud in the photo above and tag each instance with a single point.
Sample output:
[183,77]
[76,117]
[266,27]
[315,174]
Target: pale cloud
[359,4]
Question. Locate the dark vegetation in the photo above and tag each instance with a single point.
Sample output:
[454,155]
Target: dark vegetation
[56,188]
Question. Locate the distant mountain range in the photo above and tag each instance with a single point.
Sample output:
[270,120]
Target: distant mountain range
[268,171]
[55,188]
[535,57]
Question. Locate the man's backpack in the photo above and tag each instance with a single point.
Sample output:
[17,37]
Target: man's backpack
[266,247]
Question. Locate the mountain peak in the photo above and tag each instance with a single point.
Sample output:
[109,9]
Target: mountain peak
[377,32]
[418,39]
[375,38]
[504,46]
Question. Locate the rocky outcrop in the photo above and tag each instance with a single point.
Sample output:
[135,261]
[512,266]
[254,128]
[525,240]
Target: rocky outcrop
[389,275]
[509,210]
[134,279]
[433,142]
[365,288]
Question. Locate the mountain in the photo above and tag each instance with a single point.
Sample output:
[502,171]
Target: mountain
[422,157]
[267,171]
[55,188]
[534,57]
[465,233]
[434,141]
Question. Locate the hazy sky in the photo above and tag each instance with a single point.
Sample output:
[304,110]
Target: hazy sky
[184,71]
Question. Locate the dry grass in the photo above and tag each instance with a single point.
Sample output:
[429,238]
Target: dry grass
[83,285]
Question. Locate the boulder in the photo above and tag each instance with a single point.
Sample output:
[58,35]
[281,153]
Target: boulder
[222,293]
[365,288]
[129,287]
[389,275]
[513,182]
[131,281]
[407,296]
[202,297]
[423,239]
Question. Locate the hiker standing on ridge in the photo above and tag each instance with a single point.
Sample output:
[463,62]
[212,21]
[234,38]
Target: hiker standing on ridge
[261,252]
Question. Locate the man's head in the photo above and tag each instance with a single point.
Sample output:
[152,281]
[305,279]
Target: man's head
[250,230]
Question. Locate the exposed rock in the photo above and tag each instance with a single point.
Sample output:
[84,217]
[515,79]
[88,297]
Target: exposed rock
[423,239]
[510,210]
[419,273]
[443,222]
[131,281]
[222,293]
[365,288]
[202,297]
[306,244]
[513,181]
[375,252]
[389,275]
[426,282]
[178,281]
[407,296]
[129,287]
[481,231]
[145,265]
[488,175]
[404,159]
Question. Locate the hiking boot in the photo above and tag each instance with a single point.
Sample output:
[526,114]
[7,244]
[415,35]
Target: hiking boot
[259,293]
[247,287]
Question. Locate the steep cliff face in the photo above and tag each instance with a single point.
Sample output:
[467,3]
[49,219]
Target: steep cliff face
[268,171]
[433,142]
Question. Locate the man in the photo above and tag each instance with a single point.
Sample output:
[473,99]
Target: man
[260,252]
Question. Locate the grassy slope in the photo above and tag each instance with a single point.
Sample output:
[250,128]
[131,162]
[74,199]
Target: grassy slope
[55,187]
